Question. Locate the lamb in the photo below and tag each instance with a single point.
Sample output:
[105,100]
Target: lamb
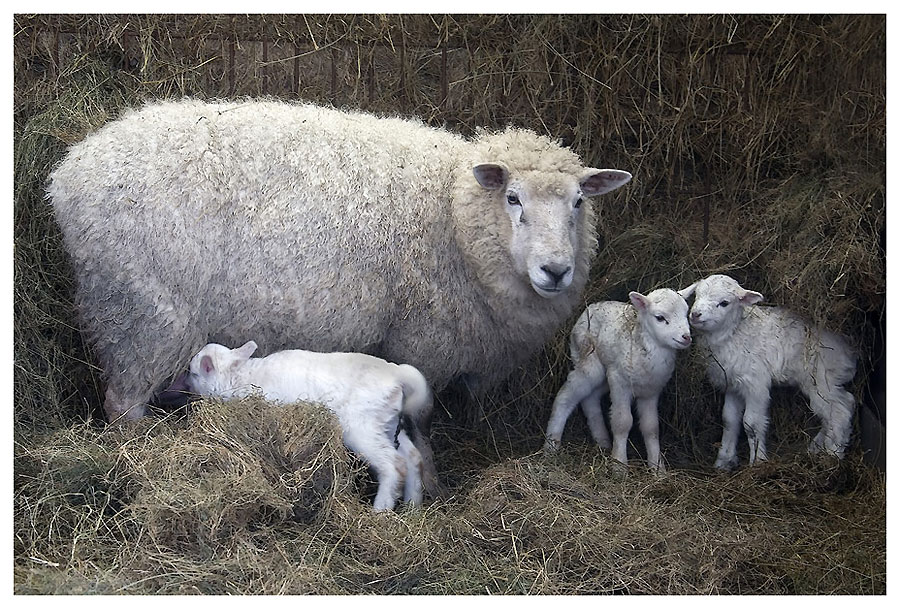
[628,351]
[369,396]
[379,235]
[751,348]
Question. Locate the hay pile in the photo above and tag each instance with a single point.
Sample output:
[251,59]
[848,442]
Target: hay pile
[241,498]
[758,148]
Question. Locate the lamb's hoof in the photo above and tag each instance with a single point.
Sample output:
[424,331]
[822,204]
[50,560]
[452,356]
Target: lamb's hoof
[726,464]
[551,446]
[618,470]
[659,470]
[438,492]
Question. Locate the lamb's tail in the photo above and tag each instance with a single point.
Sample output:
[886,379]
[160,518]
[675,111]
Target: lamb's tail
[418,403]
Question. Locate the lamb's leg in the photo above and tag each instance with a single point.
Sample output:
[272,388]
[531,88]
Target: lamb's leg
[620,420]
[648,420]
[835,411]
[412,487]
[421,440]
[379,452]
[593,412]
[756,423]
[579,384]
[732,416]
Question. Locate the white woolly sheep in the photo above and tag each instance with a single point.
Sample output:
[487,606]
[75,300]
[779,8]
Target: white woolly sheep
[353,232]
[369,396]
[628,351]
[750,348]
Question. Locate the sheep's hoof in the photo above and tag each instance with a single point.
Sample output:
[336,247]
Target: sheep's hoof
[551,446]
[618,470]
[726,464]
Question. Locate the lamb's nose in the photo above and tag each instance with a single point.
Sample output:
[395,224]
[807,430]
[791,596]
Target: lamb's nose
[556,272]
[695,315]
[686,337]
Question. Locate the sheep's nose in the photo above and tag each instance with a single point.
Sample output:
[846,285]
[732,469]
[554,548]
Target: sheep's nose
[695,315]
[686,338]
[556,272]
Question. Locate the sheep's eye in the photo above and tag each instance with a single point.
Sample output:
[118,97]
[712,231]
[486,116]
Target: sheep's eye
[723,304]
[578,202]
[661,319]
[513,199]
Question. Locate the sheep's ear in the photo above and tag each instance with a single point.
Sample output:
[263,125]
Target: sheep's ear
[639,301]
[749,297]
[599,181]
[243,353]
[492,176]
[206,365]
[688,291]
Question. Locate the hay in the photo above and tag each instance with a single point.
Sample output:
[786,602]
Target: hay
[241,498]
[758,148]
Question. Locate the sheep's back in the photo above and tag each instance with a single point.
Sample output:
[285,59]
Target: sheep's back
[293,225]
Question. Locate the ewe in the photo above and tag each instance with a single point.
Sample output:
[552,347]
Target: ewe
[629,352]
[369,396]
[750,348]
[379,235]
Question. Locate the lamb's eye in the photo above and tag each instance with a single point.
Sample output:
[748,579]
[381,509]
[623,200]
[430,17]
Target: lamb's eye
[513,199]
[578,202]
[661,319]
[723,304]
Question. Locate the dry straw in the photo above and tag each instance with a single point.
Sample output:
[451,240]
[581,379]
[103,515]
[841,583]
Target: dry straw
[758,146]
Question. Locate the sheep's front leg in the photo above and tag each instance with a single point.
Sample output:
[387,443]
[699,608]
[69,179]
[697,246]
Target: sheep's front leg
[648,420]
[756,423]
[120,407]
[732,415]
[579,384]
[620,419]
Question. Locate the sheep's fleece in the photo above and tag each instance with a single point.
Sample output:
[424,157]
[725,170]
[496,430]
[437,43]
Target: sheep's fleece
[300,226]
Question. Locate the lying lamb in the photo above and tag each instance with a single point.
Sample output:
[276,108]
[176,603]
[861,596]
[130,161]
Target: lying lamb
[368,395]
[628,351]
[751,348]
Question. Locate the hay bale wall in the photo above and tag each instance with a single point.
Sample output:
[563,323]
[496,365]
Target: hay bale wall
[757,143]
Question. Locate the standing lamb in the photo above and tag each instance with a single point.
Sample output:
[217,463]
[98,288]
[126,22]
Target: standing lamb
[628,351]
[368,395]
[352,232]
[750,348]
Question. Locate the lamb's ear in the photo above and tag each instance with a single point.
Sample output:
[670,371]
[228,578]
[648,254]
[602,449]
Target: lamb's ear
[639,301]
[243,353]
[749,297]
[599,181]
[492,176]
[206,365]
[688,291]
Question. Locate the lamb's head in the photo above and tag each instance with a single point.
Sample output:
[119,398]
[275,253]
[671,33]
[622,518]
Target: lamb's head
[211,371]
[663,314]
[719,303]
[545,212]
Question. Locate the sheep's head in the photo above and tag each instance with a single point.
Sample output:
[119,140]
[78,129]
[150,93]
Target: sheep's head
[545,211]
[663,314]
[719,303]
[211,371]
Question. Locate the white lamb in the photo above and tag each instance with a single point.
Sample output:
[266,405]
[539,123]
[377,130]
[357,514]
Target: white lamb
[629,351]
[369,396]
[751,348]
